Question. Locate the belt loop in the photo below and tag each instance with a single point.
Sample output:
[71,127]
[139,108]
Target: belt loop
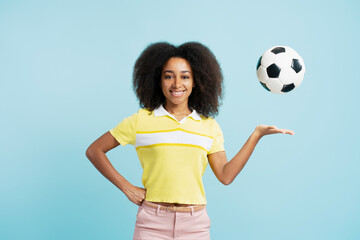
[158,210]
[192,210]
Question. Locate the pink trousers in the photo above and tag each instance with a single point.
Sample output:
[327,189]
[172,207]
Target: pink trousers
[158,224]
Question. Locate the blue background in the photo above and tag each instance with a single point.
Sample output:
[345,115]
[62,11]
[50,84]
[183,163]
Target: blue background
[65,79]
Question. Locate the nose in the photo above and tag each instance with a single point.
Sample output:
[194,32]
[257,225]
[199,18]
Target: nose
[177,82]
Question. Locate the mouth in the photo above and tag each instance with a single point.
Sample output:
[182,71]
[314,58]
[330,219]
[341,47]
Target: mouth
[177,93]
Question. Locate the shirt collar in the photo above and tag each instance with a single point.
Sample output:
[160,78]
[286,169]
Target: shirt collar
[161,111]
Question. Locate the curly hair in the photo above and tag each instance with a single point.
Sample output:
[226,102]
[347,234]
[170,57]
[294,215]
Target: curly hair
[208,79]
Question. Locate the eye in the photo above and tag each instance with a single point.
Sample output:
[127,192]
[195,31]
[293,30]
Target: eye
[185,77]
[167,77]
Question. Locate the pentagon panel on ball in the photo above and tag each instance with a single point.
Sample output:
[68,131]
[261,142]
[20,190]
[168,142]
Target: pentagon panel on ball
[280,69]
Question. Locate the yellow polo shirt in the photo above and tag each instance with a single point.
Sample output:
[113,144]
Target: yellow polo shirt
[173,154]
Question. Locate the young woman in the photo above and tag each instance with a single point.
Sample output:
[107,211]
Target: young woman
[175,136]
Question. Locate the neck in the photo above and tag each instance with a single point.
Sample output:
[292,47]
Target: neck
[177,109]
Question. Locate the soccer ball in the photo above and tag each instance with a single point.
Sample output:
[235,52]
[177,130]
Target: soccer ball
[280,69]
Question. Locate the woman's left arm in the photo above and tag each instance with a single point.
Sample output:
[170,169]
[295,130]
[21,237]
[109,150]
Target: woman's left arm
[225,170]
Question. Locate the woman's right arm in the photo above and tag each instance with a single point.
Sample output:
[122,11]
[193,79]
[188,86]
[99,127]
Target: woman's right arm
[96,153]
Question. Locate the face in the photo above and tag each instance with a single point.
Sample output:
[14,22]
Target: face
[177,82]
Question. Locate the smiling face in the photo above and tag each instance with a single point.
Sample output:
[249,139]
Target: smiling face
[177,83]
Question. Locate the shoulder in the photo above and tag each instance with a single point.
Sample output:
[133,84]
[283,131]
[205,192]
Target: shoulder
[141,112]
[208,121]
[210,124]
[144,116]
[144,113]
[134,117]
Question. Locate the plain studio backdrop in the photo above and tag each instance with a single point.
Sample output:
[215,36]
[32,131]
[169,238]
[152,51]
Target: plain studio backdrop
[65,79]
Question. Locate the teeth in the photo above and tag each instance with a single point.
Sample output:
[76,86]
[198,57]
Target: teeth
[177,93]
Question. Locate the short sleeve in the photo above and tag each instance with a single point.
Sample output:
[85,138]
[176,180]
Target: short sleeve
[125,131]
[218,142]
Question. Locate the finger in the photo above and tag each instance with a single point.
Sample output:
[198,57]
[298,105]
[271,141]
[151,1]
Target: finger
[285,131]
[139,202]
[275,131]
[290,132]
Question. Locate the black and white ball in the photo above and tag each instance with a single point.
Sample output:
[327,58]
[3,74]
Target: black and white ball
[280,69]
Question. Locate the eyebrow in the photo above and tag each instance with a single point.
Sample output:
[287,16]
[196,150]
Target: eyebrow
[170,71]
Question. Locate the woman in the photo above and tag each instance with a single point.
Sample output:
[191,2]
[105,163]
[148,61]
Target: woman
[179,89]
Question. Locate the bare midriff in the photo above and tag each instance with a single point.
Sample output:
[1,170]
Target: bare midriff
[174,204]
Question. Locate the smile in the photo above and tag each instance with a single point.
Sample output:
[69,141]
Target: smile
[177,93]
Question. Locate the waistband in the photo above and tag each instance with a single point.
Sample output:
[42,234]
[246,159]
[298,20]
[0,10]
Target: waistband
[175,208]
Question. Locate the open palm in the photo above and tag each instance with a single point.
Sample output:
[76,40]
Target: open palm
[263,130]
